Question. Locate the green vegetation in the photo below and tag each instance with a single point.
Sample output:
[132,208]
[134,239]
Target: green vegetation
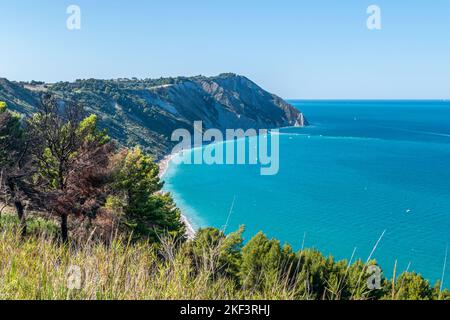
[69,197]
[145,112]
[211,266]
[2,106]
[126,107]
[14,163]
[146,211]
[59,162]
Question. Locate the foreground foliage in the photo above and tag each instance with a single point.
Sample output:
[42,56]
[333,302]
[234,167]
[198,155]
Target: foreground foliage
[127,240]
[57,161]
[211,266]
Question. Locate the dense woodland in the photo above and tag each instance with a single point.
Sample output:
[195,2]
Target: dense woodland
[123,106]
[69,195]
[145,112]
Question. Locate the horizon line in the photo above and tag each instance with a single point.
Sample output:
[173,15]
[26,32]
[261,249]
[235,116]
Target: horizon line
[368,99]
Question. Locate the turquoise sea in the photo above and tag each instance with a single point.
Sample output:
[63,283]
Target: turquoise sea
[362,167]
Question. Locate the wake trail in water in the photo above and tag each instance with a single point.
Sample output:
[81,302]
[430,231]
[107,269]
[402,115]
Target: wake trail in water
[431,133]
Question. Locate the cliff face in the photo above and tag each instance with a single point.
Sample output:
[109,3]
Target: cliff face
[229,101]
[146,112]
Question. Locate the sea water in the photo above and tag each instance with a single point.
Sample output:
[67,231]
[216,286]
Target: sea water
[362,170]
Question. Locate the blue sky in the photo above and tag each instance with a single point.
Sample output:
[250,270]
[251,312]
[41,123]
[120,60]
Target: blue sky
[316,49]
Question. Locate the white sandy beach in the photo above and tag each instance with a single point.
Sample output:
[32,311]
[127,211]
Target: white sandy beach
[163,167]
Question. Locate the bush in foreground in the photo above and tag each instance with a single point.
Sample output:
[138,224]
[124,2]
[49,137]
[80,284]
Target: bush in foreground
[212,266]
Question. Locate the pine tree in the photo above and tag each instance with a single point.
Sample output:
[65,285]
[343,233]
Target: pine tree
[147,211]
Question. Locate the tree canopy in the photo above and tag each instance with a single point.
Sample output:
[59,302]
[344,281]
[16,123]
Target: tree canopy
[146,210]
[77,171]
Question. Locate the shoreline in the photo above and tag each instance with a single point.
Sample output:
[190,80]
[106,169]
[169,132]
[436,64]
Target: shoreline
[163,165]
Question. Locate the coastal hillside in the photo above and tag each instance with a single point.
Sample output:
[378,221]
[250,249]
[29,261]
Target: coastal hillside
[146,112]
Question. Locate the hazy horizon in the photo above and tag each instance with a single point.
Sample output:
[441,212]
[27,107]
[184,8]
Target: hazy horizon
[297,50]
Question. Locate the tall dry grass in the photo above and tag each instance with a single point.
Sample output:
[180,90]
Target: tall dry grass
[37,268]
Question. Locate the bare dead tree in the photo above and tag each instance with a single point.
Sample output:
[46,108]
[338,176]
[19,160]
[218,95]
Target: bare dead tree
[72,160]
[87,182]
